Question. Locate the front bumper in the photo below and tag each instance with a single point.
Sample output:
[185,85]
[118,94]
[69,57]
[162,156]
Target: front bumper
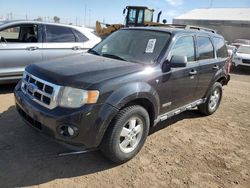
[90,121]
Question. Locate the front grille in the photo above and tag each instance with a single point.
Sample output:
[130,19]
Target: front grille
[247,61]
[39,90]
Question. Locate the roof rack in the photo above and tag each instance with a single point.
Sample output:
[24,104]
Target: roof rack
[182,26]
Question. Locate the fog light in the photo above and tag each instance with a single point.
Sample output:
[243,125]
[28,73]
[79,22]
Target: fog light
[68,131]
[71,131]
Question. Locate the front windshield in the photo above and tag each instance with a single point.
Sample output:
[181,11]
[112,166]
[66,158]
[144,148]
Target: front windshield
[140,46]
[244,49]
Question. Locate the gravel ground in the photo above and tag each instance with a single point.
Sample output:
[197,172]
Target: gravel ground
[189,150]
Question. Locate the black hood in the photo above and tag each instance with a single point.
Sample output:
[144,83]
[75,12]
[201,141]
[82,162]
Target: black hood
[83,70]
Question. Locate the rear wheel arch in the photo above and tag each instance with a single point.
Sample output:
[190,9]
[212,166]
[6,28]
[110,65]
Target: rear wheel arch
[204,108]
[222,80]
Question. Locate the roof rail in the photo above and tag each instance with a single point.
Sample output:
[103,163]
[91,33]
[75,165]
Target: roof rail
[182,26]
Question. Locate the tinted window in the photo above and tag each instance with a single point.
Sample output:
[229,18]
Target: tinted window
[205,47]
[59,34]
[184,46]
[80,37]
[220,47]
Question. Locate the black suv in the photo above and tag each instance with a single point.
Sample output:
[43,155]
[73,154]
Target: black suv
[109,97]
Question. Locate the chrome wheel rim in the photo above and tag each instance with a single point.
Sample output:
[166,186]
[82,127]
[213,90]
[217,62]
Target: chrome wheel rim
[131,134]
[214,99]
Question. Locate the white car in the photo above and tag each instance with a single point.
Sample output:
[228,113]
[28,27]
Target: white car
[26,42]
[242,56]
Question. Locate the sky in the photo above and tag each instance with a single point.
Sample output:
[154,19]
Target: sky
[86,12]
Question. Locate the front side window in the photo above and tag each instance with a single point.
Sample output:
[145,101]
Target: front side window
[206,50]
[20,33]
[220,47]
[184,46]
[59,34]
[139,46]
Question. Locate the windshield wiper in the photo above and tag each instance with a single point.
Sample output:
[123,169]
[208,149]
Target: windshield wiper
[113,56]
[92,51]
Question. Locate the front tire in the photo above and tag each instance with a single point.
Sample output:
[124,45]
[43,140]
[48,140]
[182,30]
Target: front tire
[213,100]
[126,134]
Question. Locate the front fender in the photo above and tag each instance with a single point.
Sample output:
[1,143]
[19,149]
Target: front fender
[132,91]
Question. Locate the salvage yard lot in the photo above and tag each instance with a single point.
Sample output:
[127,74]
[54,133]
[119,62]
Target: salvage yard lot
[189,150]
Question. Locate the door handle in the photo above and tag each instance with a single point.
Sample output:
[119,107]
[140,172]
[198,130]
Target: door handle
[32,48]
[192,72]
[216,67]
[76,48]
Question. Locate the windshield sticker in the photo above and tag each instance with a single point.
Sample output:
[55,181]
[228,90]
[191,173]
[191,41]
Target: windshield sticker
[150,46]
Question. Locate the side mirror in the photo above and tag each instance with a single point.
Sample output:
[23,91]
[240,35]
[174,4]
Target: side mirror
[124,11]
[164,21]
[3,42]
[178,61]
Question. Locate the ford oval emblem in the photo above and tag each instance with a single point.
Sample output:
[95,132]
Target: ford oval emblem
[32,88]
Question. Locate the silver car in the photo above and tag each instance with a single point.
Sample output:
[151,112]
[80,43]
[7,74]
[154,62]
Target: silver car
[26,42]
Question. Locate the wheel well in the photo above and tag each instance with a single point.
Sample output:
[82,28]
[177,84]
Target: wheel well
[145,103]
[222,80]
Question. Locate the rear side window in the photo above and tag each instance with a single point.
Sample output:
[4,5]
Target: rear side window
[205,47]
[80,37]
[184,46]
[220,47]
[59,34]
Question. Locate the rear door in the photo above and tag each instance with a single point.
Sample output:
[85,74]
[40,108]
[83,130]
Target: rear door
[20,46]
[60,41]
[181,82]
[208,64]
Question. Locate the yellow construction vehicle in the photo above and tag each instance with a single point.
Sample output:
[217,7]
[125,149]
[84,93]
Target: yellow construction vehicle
[136,16]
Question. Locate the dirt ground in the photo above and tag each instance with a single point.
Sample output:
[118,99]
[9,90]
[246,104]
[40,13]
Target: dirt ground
[189,150]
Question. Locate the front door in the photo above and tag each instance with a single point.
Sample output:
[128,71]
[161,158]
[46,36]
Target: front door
[20,46]
[180,82]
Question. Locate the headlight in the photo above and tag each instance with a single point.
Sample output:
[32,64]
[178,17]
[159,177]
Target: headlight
[75,98]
